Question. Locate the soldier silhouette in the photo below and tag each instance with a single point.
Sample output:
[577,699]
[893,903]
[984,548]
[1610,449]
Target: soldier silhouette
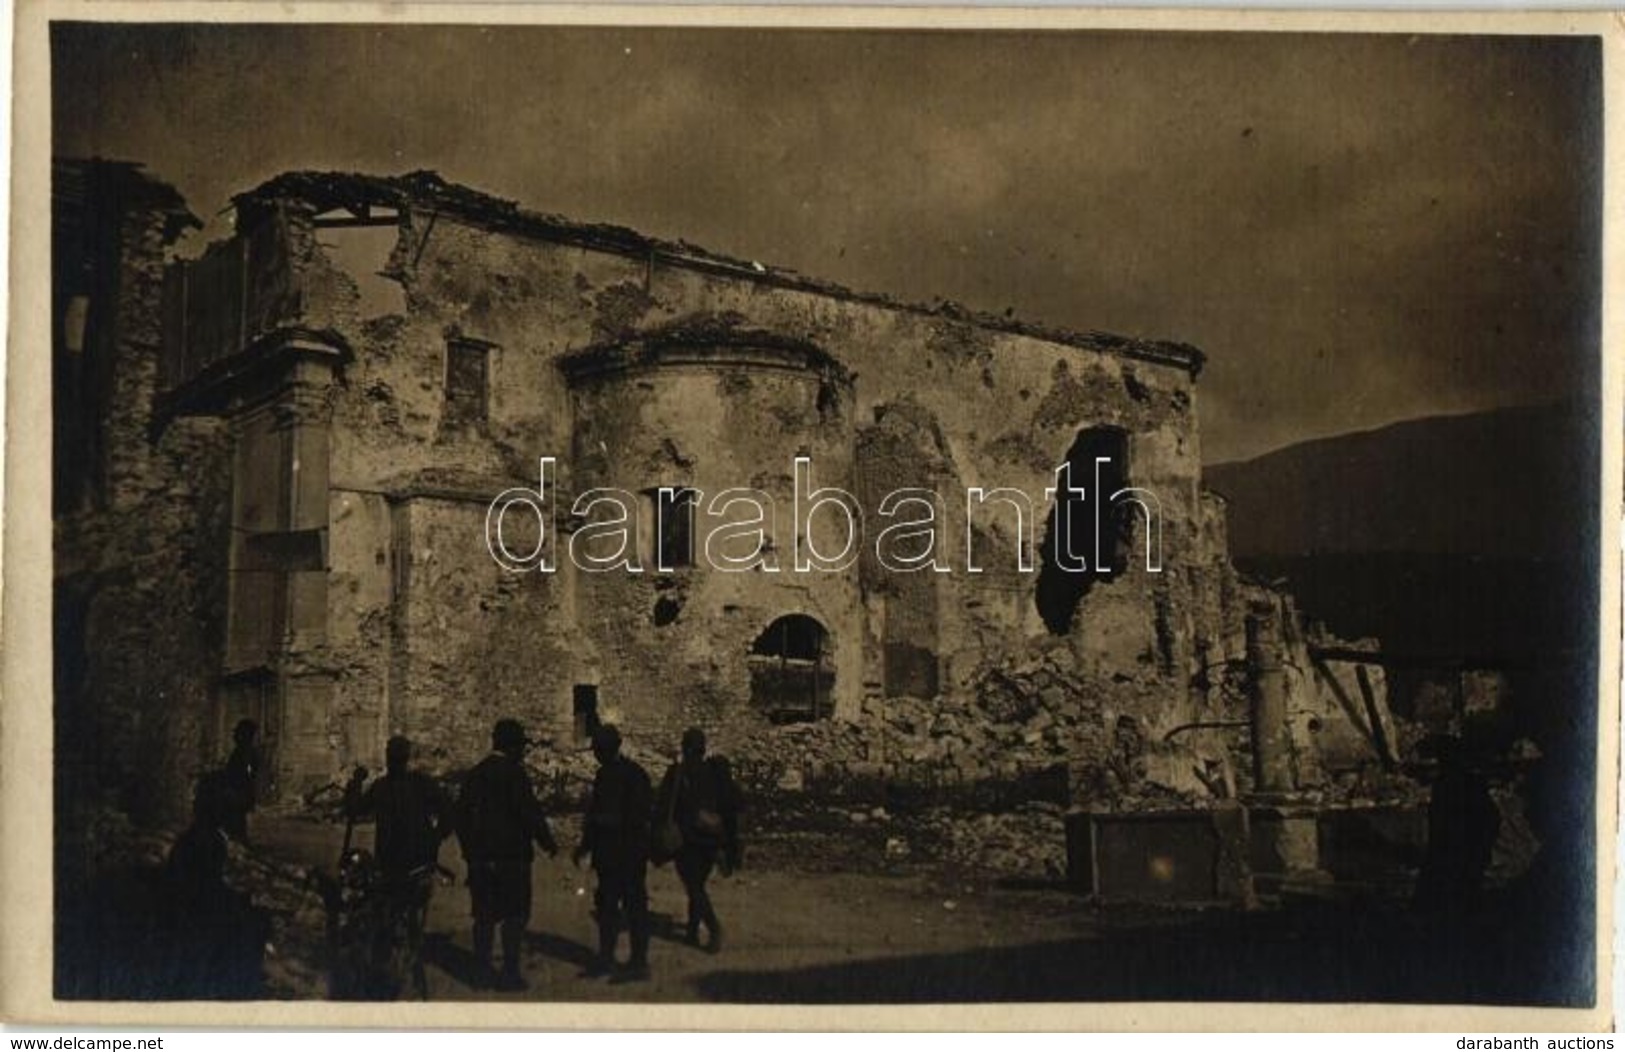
[240,784]
[700,797]
[216,935]
[413,816]
[1463,823]
[615,833]
[499,823]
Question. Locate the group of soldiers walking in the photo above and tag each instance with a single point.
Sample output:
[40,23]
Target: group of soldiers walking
[499,823]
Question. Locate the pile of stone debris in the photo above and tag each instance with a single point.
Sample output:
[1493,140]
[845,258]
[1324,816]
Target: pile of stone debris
[1029,842]
[800,832]
[1015,723]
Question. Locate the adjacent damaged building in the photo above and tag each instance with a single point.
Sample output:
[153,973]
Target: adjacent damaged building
[277,462]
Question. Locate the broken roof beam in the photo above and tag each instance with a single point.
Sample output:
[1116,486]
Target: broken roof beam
[427,191]
[324,193]
[361,215]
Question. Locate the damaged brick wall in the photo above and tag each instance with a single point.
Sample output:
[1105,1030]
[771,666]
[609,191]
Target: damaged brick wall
[426,635]
[534,301]
[551,294]
[717,411]
[140,571]
[473,642]
[904,452]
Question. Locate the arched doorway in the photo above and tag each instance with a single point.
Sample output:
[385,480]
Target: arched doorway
[792,679]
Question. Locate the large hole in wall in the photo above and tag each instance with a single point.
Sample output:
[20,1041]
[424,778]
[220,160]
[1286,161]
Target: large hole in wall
[1084,539]
[666,610]
[363,252]
[791,676]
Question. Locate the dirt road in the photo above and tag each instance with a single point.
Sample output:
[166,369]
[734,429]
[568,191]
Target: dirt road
[777,922]
[818,929]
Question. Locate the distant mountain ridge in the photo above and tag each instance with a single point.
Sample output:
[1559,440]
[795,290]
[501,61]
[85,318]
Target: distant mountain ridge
[1516,483]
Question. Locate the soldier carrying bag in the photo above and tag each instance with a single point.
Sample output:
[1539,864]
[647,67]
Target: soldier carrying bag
[668,835]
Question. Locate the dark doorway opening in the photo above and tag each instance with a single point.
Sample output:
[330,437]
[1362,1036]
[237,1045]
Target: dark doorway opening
[584,708]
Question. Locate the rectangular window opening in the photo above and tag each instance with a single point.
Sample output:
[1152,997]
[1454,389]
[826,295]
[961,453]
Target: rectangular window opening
[467,380]
[584,707]
[675,508]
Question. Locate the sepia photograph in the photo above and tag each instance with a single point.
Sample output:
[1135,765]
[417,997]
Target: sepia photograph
[802,514]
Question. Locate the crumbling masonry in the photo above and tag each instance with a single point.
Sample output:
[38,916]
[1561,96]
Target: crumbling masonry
[274,464]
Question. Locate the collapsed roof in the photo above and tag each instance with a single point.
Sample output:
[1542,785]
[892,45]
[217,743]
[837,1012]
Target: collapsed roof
[364,197]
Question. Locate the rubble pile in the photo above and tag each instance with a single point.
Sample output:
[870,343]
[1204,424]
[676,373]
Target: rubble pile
[979,781]
[1014,721]
[298,942]
[794,831]
[1027,842]
[1037,732]
[799,833]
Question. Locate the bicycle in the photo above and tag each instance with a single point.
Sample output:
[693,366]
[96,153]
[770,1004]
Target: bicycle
[375,926]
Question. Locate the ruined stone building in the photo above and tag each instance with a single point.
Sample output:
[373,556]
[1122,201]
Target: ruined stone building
[275,466]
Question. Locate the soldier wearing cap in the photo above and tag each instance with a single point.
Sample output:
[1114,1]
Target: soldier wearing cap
[615,834]
[499,820]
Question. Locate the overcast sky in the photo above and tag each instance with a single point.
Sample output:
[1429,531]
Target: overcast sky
[1356,229]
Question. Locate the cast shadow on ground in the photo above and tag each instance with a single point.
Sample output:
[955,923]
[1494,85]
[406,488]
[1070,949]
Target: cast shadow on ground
[664,926]
[1358,956]
[458,963]
[462,966]
[551,944]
